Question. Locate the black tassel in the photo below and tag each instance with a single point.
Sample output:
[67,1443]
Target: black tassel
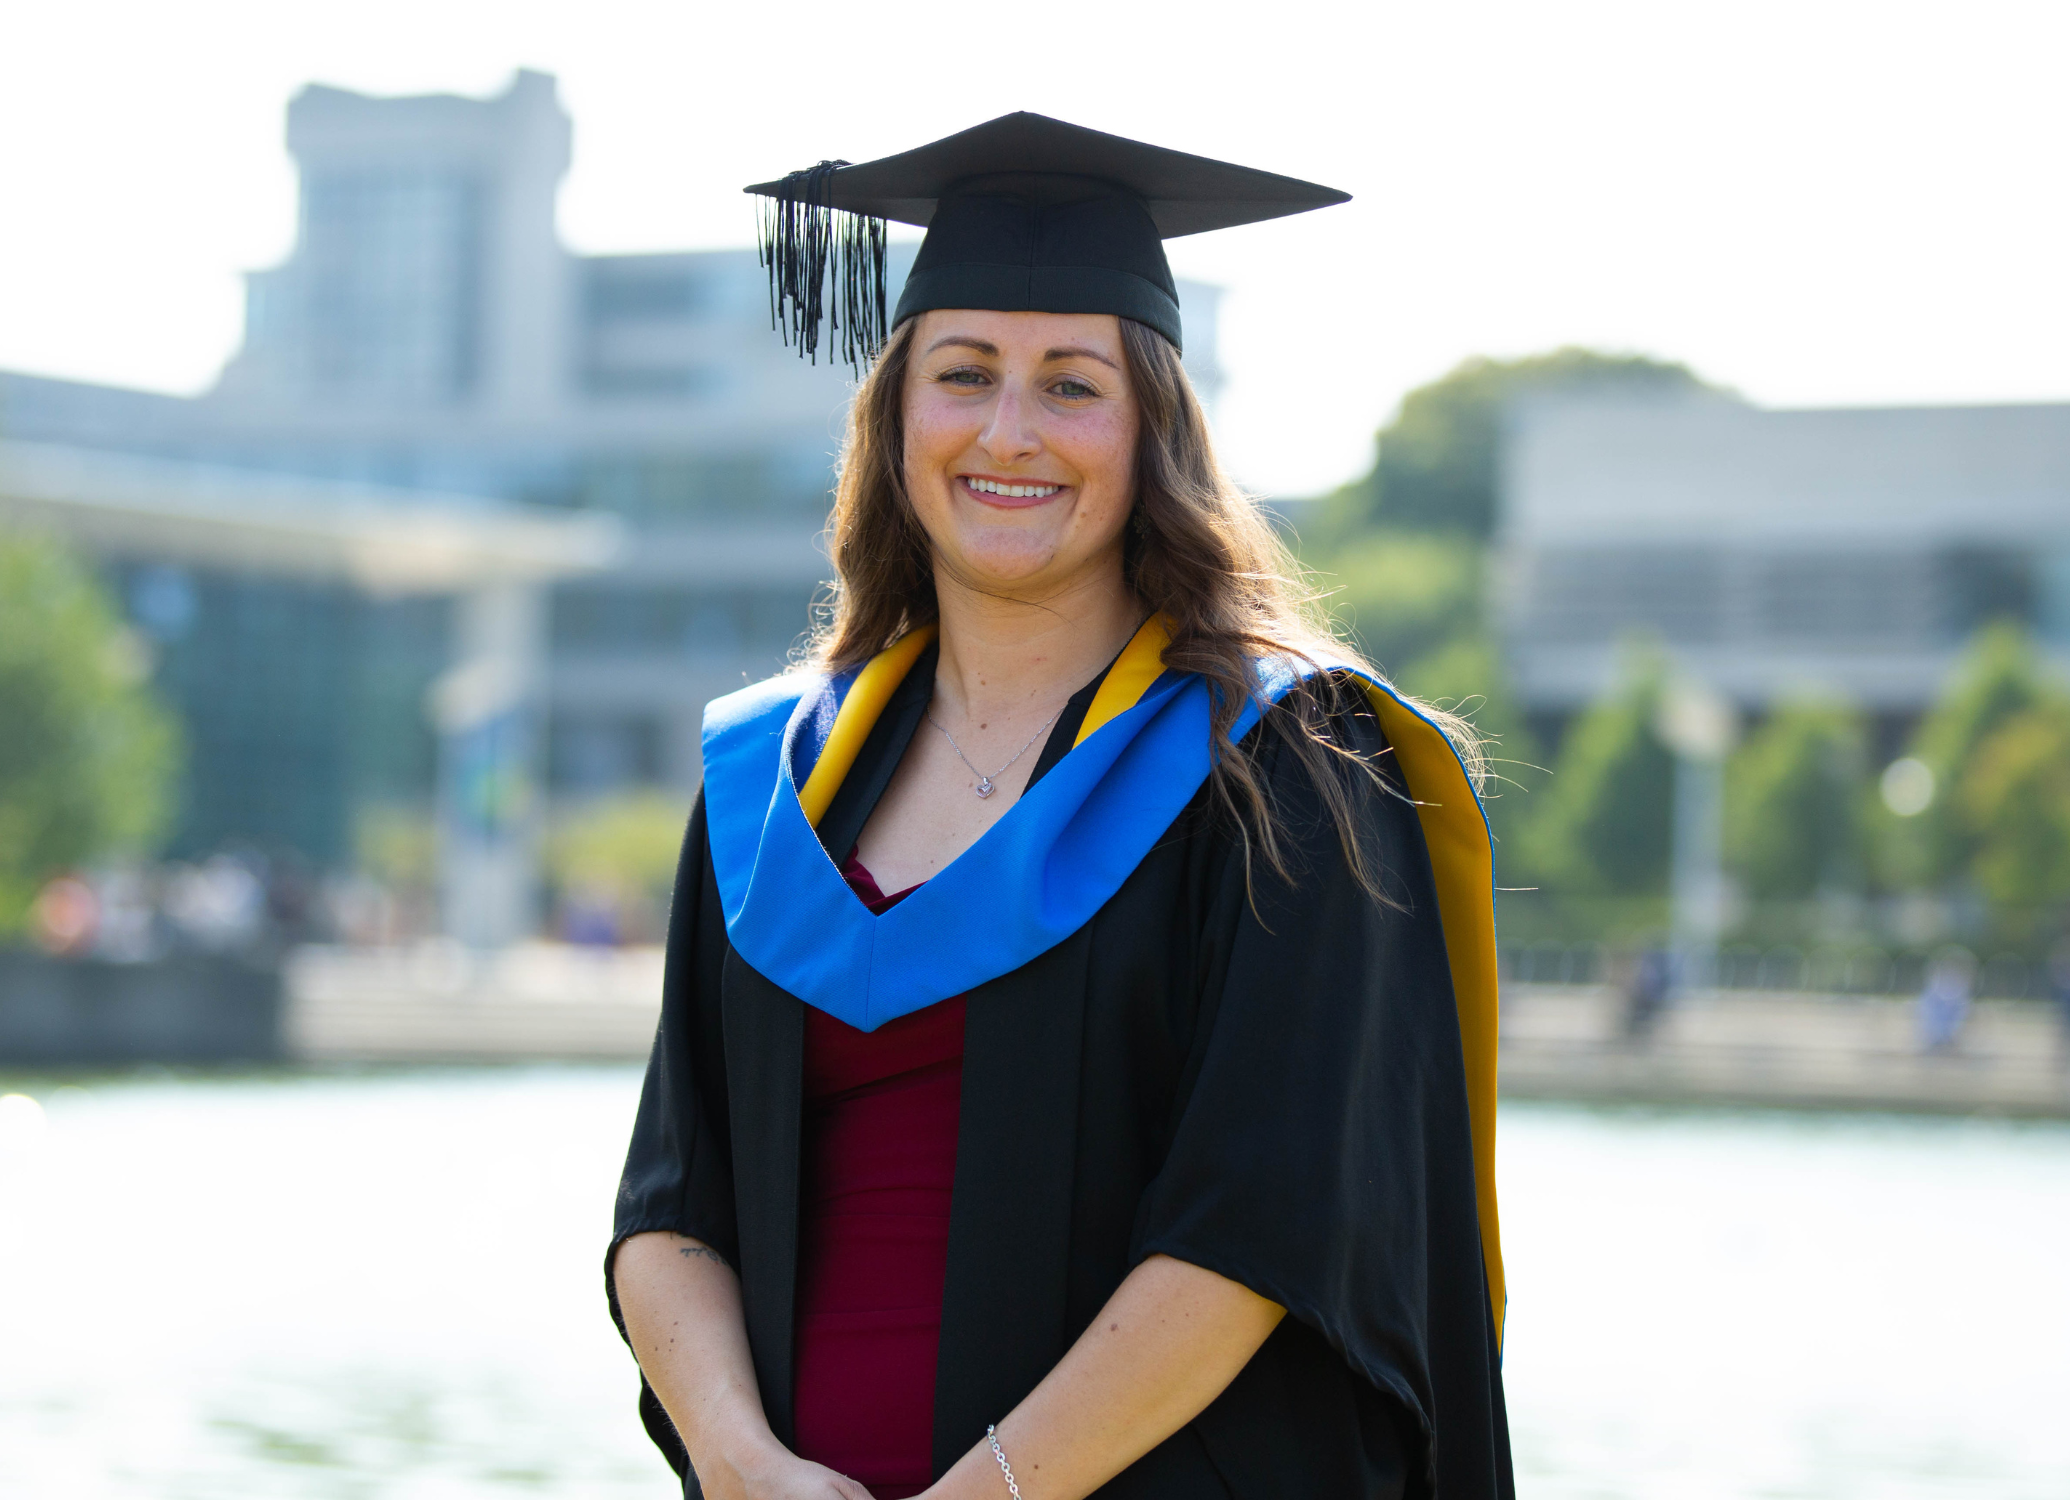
[806,243]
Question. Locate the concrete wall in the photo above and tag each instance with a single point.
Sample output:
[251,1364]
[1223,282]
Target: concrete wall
[192,1009]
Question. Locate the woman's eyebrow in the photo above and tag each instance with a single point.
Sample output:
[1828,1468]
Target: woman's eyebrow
[980,346]
[1069,351]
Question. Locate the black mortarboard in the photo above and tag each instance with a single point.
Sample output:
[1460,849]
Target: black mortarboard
[1023,214]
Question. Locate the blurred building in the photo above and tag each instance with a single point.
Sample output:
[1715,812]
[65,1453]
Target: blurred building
[305,626]
[428,333]
[1778,552]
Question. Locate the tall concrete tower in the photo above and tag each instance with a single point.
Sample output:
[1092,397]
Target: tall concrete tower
[427,271]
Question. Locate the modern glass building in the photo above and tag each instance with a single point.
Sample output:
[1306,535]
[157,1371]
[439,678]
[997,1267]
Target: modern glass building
[1847,553]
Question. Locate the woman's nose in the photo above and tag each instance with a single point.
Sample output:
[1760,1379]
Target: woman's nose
[1010,435]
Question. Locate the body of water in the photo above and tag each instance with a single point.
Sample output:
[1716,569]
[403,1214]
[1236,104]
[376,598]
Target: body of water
[389,1285]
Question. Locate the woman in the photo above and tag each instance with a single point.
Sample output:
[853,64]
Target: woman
[1076,1064]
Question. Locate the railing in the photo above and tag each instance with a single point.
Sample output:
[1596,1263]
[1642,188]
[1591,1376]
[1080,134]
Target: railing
[1833,971]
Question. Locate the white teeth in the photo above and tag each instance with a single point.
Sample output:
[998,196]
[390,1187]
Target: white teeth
[1012,491]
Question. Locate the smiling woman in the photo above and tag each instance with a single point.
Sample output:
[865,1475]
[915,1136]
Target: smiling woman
[1076,1066]
[1020,436]
[1015,436]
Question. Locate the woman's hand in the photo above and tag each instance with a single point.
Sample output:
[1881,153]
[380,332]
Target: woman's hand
[682,1308]
[1167,1342]
[777,1474]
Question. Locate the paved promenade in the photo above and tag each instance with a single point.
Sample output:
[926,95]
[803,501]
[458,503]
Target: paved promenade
[442,1004]
[1748,1047]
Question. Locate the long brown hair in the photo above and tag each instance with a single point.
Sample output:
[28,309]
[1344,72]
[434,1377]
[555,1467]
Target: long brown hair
[1196,550]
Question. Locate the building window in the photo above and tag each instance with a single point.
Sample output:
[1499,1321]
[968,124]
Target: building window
[390,264]
[644,291]
[1851,599]
[675,486]
[591,753]
[1595,594]
[1985,585]
[628,619]
[652,382]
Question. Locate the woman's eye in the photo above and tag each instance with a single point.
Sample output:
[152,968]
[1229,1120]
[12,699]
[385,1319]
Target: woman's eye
[963,377]
[1073,390]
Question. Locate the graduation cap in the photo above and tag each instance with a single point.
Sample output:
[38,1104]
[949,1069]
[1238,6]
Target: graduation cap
[1023,214]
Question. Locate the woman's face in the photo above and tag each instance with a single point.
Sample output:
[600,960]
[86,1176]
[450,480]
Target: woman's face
[1020,446]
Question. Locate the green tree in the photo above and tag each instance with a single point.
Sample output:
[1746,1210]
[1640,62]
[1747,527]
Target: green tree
[1794,802]
[623,846]
[88,755]
[1998,680]
[2013,803]
[1603,826]
[1406,594]
[397,844]
[1439,459]
[1465,675]
[1413,601]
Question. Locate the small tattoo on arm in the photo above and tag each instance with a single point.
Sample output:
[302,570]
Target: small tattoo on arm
[704,1251]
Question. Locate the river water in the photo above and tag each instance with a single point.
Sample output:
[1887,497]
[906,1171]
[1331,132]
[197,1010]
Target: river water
[387,1285]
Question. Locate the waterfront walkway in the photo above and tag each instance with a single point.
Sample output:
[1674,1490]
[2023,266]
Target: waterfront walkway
[440,1002]
[1755,1047]
[443,1004]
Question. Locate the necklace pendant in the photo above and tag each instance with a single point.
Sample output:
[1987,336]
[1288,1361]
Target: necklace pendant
[985,787]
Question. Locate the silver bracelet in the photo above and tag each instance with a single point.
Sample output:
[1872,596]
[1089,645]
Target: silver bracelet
[992,1437]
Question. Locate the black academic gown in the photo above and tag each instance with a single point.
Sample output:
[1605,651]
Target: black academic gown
[1267,1083]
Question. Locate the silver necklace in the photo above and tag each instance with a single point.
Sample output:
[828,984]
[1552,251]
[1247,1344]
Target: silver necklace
[986,785]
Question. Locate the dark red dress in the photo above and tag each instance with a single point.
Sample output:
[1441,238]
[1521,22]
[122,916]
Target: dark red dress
[873,1245]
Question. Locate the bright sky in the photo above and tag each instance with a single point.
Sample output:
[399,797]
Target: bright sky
[1817,203]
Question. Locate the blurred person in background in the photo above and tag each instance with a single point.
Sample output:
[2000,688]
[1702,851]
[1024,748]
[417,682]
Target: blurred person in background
[129,924]
[1076,1068]
[2059,996]
[66,917]
[217,906]
[591,919]
[1944,1002]
[1646,984]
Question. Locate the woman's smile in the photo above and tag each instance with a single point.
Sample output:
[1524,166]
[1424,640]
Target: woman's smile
[1019,448]
[1009,494]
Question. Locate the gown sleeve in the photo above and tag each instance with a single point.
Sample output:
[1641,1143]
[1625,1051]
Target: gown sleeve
[678,1171]
[1320,1152]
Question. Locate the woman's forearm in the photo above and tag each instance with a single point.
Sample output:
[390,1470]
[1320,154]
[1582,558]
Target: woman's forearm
[1168,1342]
[682,1309]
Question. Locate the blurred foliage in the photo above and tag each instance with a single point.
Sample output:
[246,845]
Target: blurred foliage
[89,757]
[1439,459]
[1795,801]
[397,844]
[1465,675]
[1402,553]
[623,846]
[1549,914]
[1406,594]
[1999,680]
[1603,826]
[1413,602]
[2013,801]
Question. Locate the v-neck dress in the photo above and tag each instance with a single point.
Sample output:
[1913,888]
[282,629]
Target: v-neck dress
[877,1173]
